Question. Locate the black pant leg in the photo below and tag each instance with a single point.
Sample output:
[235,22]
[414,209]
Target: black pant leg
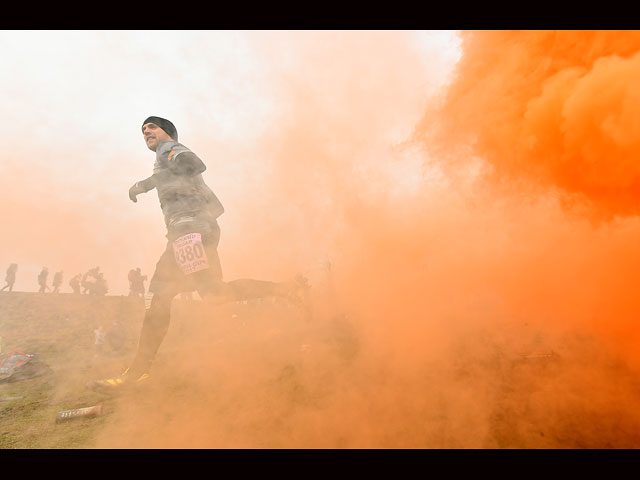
[154,328]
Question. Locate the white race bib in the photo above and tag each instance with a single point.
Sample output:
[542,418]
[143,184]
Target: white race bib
[190,254]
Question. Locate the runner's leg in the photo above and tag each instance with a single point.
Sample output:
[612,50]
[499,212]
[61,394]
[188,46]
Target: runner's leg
[154,329]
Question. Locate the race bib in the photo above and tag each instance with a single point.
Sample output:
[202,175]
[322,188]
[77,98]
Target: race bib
[190,254]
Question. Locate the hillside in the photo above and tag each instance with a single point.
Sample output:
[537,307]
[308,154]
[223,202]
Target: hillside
[262,374]
[265,336]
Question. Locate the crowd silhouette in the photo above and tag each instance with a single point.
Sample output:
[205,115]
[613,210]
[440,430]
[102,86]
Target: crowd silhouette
[92,282]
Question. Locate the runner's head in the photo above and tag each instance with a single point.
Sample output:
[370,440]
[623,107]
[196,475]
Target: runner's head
[157,130]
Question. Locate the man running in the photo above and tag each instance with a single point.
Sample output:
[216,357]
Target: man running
[89,286]
[74,283]
[57,281]
[190,261]
[42,280]
[136,283]
[11,276]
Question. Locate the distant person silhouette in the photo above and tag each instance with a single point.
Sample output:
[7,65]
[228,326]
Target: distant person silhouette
[136,283]
[100,286]
[57,281]
[74,283]
[42,280]
[11,276]
[88,286]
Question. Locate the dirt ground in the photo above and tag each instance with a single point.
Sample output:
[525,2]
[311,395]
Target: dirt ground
[262,374]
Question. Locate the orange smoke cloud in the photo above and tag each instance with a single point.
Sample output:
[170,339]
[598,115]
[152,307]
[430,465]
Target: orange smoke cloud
[559,108]
[550,117]
[445,280]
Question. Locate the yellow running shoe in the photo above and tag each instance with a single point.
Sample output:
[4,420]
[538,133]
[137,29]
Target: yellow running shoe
[118,383]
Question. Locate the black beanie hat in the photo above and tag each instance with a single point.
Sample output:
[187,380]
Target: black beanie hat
[165,125]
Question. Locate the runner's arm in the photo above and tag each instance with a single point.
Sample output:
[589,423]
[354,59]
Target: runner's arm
[143,186]
[186,163]
[147,184]
[179,159]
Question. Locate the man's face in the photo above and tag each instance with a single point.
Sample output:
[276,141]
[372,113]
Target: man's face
[154,135]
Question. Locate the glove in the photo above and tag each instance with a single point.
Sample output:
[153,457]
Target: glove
[135,191]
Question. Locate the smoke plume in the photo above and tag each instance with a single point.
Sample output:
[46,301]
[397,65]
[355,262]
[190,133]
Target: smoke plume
[470,233]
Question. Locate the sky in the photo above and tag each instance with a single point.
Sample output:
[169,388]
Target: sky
[74,102]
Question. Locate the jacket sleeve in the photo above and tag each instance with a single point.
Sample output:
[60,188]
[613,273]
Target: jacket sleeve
[179,159]
[147,184]
[186,163]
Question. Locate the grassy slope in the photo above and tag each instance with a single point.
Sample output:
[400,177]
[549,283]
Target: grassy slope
[59,329]
[260,387]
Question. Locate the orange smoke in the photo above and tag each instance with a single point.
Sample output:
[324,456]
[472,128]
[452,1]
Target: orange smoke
[559,108]
[441,280]
[551,118]
[447,280]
